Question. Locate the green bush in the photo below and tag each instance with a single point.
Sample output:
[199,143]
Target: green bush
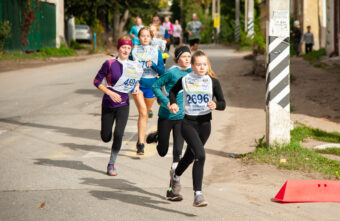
[5,32]
[75,45]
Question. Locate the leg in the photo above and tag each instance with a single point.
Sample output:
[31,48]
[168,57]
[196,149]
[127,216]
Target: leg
[142,119]
[122,116]
[149,102]
[107,119]
[164,129]
[178,140]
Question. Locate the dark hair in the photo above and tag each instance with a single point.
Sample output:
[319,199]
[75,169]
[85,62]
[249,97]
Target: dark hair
[200,53]
[146,29]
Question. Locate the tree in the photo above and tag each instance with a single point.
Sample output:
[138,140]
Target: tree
[115,12]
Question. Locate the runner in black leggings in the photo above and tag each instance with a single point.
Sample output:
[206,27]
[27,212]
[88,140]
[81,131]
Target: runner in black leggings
[121,75]
[199,89]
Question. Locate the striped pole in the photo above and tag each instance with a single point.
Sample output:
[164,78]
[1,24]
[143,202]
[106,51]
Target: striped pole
[237,21]
[250,21]
[278,70]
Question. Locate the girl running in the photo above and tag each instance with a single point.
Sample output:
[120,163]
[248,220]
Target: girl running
[121,75]
[151,59]
[199,88]
[168,121]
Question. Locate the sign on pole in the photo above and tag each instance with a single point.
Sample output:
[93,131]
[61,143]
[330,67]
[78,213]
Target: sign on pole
[278,71]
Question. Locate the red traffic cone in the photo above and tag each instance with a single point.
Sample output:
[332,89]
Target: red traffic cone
[301,191]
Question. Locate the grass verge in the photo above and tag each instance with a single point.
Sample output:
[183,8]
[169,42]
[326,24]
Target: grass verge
[293,156]
[63,51]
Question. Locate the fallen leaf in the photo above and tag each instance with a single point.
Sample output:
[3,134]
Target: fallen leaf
[283,160]
[42,205]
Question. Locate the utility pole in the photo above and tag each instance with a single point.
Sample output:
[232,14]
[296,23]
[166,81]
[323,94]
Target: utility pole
[216,10]
[277,76]
[250,18]
[237,21]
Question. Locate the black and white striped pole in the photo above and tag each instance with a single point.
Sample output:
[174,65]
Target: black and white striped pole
[250,20]
[278,70]
[237,21]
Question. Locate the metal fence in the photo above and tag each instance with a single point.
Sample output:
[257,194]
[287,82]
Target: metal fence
[42,32]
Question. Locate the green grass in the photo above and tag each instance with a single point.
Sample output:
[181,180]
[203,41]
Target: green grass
[63,51]
[330,150]
[298,157]
[315,55]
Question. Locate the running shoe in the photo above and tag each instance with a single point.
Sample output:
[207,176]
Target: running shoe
[140,148]
[173,197]
[152,137]
[111,170]
[150,114]
[199,201]
[175,185]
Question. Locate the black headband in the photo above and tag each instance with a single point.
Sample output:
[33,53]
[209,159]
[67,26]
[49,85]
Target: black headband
[180,51]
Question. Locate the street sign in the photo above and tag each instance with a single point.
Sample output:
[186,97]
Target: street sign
[216,20]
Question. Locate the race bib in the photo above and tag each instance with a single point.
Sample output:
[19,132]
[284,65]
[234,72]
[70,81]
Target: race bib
[197,92]
[132,72]
[142,54]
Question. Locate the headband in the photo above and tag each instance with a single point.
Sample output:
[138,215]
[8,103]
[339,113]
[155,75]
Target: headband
[124,42]
[180,51]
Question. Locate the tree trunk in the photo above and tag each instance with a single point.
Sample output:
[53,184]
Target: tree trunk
[116,27]
[123,21]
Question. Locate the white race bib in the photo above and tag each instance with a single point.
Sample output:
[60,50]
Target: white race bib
[132,72]
[142,54]
[197,92]
[160,43]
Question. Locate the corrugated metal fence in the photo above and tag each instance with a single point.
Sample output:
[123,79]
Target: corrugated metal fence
[42,32]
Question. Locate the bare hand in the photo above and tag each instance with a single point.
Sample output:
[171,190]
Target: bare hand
[211,105]
[174,108]
[149,63]
[190,33]
[115,97]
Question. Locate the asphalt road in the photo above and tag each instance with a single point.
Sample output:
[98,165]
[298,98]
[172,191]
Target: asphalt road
[53,163]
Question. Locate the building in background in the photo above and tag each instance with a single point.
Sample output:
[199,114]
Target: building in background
[47,29]
[333,27]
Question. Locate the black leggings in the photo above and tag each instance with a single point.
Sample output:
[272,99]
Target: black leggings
[196,135]
[109,115]
[164,128]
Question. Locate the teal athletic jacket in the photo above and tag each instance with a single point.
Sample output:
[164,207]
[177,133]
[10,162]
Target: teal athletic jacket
[169,79]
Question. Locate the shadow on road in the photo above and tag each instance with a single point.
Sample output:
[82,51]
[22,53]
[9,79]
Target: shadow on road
[122,189]
[73,132]
[71,164]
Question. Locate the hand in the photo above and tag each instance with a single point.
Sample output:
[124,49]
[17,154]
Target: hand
[174,108]
[149,63]
[115,97]
[190,33]
[168,105]
[211,105]
[136,91]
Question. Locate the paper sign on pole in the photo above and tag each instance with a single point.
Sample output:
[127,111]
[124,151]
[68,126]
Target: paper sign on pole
[279,24]
[216,20]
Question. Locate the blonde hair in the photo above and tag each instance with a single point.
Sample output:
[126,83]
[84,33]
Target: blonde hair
[145,29]
[200,53]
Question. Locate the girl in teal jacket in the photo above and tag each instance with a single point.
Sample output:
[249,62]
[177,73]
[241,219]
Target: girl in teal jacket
[168,121]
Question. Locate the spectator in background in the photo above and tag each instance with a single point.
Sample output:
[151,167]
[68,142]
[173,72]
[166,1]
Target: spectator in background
[170,28]
[134,31]
[194,30]
[296,37]
[308,38]
[177,34]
